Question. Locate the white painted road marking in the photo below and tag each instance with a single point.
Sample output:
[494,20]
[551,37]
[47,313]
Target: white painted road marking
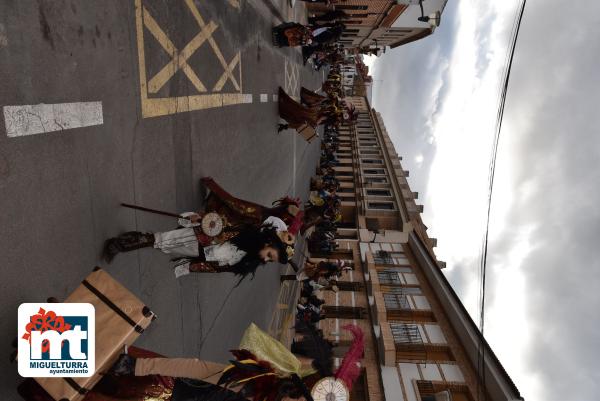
[275,98]
[264,98]
[40,118]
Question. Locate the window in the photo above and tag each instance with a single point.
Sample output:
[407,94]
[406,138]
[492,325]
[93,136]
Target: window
[379,192]
[405,333]
[392,275]
[396,301]
[375,180]
[372,161]
[404,290]
[391,258]
[381,205]
[383,258]
[388,277]
[369,151]
[374,171]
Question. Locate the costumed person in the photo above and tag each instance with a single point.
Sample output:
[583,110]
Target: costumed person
[328,34]
[316,270]
[310,98]
[299,117]
[263,370]
[291,34]
[239,211]
[115,388]
[328,17]
[239,250]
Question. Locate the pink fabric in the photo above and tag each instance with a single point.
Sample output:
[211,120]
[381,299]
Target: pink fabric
[349,370]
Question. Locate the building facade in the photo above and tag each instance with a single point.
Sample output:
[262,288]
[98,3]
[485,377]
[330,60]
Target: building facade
[420,339]
[374,25]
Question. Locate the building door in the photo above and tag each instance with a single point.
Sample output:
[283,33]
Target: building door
[345,312]
[360,390]
[350,285]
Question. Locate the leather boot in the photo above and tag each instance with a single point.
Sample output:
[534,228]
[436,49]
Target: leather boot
[126,242]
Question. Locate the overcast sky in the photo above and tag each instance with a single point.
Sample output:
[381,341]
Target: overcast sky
[439,106]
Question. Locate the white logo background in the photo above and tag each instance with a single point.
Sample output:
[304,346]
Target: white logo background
[56,367]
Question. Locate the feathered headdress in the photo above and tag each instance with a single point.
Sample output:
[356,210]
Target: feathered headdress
[296,224]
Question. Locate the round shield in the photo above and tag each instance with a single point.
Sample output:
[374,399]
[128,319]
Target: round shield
[212,224]
[330,389]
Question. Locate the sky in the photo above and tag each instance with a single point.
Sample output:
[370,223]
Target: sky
[439,99]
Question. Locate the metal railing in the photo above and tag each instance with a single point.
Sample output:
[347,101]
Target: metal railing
[408,341]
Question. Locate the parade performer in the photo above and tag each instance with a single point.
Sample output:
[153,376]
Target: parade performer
[316,270]
[239,250]
[291,34]
[239,211]
[115,388]
[294,113]
[310,98]
[263,370]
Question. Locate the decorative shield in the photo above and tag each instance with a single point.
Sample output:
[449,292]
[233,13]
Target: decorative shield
[212,224]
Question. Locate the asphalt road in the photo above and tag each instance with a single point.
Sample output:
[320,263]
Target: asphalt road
[60,190]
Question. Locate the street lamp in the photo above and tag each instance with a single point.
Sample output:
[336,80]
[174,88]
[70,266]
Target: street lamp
[434,19]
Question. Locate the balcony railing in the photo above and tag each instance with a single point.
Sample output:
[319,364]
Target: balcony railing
[383,258]
[396,301]
[408,341]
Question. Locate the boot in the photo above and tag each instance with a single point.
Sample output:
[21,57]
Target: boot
[125,366]
[126,242]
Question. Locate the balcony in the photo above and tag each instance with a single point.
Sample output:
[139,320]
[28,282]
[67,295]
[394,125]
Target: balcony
[408,341]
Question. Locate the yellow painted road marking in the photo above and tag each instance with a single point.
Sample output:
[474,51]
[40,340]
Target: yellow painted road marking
[179,59]
[228,73]
[154,107]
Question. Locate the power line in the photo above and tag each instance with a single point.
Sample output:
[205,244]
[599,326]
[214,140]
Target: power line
[492,173]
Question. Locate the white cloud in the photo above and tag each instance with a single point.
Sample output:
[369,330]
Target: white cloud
[419,160]
[462,129]
[543,263]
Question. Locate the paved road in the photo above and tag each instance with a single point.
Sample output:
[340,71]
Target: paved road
[210,111]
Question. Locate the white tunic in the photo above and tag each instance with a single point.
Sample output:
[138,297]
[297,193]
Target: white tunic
[181,242]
